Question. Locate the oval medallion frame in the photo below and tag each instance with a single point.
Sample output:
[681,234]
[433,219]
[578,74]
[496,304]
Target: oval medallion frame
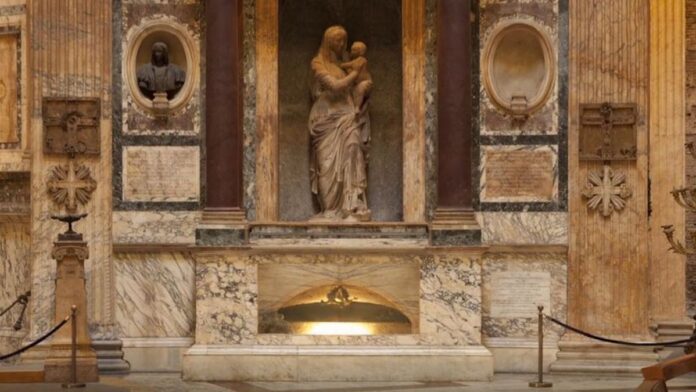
[187,44]
[522,30]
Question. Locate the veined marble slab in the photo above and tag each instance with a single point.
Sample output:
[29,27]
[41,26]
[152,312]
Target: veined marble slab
[523,228]
[154,294]
[555,265]
[161,173]
[155,227]
[14,279]
[520,173]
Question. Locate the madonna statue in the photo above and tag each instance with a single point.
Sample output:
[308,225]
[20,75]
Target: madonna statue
[339,128]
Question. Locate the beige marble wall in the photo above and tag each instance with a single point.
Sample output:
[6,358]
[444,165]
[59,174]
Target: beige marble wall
[154,294]
[14,279]
[523,228]
[65,63]
[227,297]
[155,227]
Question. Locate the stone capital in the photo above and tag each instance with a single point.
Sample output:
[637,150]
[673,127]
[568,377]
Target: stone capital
[70,249]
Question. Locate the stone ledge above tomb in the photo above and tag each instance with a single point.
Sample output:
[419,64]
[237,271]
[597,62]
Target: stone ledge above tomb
[333,363]
[337,234]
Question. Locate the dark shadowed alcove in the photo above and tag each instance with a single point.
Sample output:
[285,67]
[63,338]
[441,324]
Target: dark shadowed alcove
[377,24]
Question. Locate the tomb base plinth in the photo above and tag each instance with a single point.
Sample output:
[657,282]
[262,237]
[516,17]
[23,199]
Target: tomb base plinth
[249,325]
[316,363]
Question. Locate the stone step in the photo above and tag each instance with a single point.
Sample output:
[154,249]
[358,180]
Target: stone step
[602,367]
[20,374]
[609,356]
[110,357]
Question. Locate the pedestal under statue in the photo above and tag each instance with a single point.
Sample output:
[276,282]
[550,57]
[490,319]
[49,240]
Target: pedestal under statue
[339,126]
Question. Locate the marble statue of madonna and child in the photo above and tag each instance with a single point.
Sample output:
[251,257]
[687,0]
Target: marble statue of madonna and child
[339,127]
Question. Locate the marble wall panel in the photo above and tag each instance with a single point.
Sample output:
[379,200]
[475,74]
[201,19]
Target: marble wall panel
[154,294]
[519,174]
[161,174]
[544,13]
[14,266]
[155,227]
[227,296]
[519,228]
[524,327]
[249,64]
[226,300]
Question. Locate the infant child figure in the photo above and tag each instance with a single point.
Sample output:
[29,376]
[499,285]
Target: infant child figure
[363,83]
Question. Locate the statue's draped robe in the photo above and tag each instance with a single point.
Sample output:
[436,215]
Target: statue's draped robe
[337,162]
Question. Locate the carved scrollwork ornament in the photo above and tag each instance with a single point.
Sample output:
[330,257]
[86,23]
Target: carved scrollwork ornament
[607,191]
[80,252]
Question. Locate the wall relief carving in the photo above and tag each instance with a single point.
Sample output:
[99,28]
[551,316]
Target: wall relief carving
[519,68]
[606,191]
[161,66]
[71,126]
[608,132]
[70,185]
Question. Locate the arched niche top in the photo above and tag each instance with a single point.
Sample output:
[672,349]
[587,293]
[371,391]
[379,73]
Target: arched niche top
[519,67]
[183,51]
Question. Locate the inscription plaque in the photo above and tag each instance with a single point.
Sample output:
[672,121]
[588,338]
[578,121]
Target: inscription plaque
[517,294]
[71,126]
[161,174]
[8,89]
[608,132]
[518,174]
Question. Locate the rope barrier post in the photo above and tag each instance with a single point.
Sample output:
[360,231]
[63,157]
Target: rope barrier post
[73,379]
[540,372]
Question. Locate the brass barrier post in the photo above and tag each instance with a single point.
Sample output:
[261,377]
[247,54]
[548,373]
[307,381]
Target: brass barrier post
[540,381]
[73,378]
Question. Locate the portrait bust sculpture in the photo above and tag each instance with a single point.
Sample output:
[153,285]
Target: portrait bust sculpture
[160,76]
[339,127]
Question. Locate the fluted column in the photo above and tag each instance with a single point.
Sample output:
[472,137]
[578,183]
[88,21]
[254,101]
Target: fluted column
[667,133]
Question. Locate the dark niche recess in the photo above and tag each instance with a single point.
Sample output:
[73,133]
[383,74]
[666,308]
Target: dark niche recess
[377,24]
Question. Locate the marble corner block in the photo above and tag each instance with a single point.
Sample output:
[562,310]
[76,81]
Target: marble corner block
[521,173]
[161,173]
[523,228]
[155,227]
[441,292]
[154,294]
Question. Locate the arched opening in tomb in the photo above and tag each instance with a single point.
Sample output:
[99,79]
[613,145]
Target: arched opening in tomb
[337,310]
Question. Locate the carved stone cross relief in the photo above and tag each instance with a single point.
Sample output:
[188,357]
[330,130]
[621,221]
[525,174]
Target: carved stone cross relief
[70,185]
[606,190]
